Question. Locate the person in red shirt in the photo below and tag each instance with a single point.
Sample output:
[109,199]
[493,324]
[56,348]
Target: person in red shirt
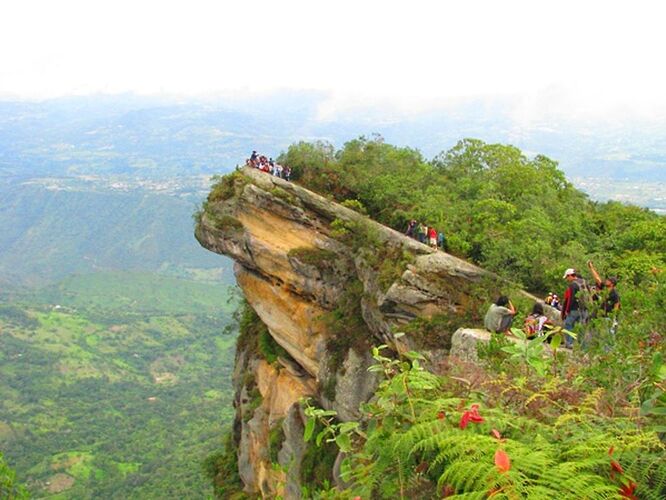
[432,237]
[572,312]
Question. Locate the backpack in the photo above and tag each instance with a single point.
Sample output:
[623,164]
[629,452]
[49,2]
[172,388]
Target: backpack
[531,325]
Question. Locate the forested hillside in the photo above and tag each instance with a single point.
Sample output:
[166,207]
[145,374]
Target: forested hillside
[48,234]
[119,392]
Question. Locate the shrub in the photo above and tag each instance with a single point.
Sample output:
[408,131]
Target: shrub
[436,332]
[254,401]
[222,469]
[347,326]
[355,205]
[227,186]
[393,261]
[317,463]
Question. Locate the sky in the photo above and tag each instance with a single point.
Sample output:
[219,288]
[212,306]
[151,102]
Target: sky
[581,58]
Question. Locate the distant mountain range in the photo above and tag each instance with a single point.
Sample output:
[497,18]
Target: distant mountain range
[150,137]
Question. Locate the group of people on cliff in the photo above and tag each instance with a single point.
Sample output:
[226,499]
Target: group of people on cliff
[266,164]
[427,235]
[581,303]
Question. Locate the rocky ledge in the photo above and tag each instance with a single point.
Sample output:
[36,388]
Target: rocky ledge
[326,283]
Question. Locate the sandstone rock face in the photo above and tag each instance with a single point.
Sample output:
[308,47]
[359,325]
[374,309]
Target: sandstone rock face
[275,408]
[300,276]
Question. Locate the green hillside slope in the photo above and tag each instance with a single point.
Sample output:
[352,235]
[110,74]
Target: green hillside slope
[121,397]
[47,234]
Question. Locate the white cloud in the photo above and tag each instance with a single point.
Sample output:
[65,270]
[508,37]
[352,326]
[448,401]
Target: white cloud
[581,58]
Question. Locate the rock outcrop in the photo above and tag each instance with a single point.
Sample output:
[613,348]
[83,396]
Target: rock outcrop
[327,283]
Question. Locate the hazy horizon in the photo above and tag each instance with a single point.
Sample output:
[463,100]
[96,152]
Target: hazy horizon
[576,61]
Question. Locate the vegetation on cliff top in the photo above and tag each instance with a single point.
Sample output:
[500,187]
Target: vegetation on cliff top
[511,214]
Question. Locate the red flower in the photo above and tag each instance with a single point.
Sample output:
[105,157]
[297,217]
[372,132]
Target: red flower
[471,415]
[497,435]
[627,490]
[441,415]
[502,461]
[616,467]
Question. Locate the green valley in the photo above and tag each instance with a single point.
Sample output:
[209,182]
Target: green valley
[115,385]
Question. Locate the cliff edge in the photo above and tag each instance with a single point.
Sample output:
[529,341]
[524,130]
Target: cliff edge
[324,283]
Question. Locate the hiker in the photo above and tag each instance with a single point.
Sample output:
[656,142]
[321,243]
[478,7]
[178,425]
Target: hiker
[549,299]
[441,241]
[287,173]
[573,311]
[610,304]
[535,321]
[422,231]
[499,317]
[411,228]
[555,302]
[432,237]
[253,159]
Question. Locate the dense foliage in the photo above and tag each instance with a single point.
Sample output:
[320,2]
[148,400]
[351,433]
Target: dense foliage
[467,434]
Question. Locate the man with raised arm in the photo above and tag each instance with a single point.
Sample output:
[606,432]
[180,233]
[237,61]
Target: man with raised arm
[610,304]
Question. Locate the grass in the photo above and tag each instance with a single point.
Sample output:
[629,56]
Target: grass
[280,193]
[317,257]
[227,223]
[269,348]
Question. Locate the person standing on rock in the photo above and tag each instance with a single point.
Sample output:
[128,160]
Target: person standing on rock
[432,237]
[499,317]
[411,228]
[422,232]
[441,241]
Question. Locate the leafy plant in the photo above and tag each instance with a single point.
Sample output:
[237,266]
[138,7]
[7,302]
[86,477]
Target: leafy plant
[529,352]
